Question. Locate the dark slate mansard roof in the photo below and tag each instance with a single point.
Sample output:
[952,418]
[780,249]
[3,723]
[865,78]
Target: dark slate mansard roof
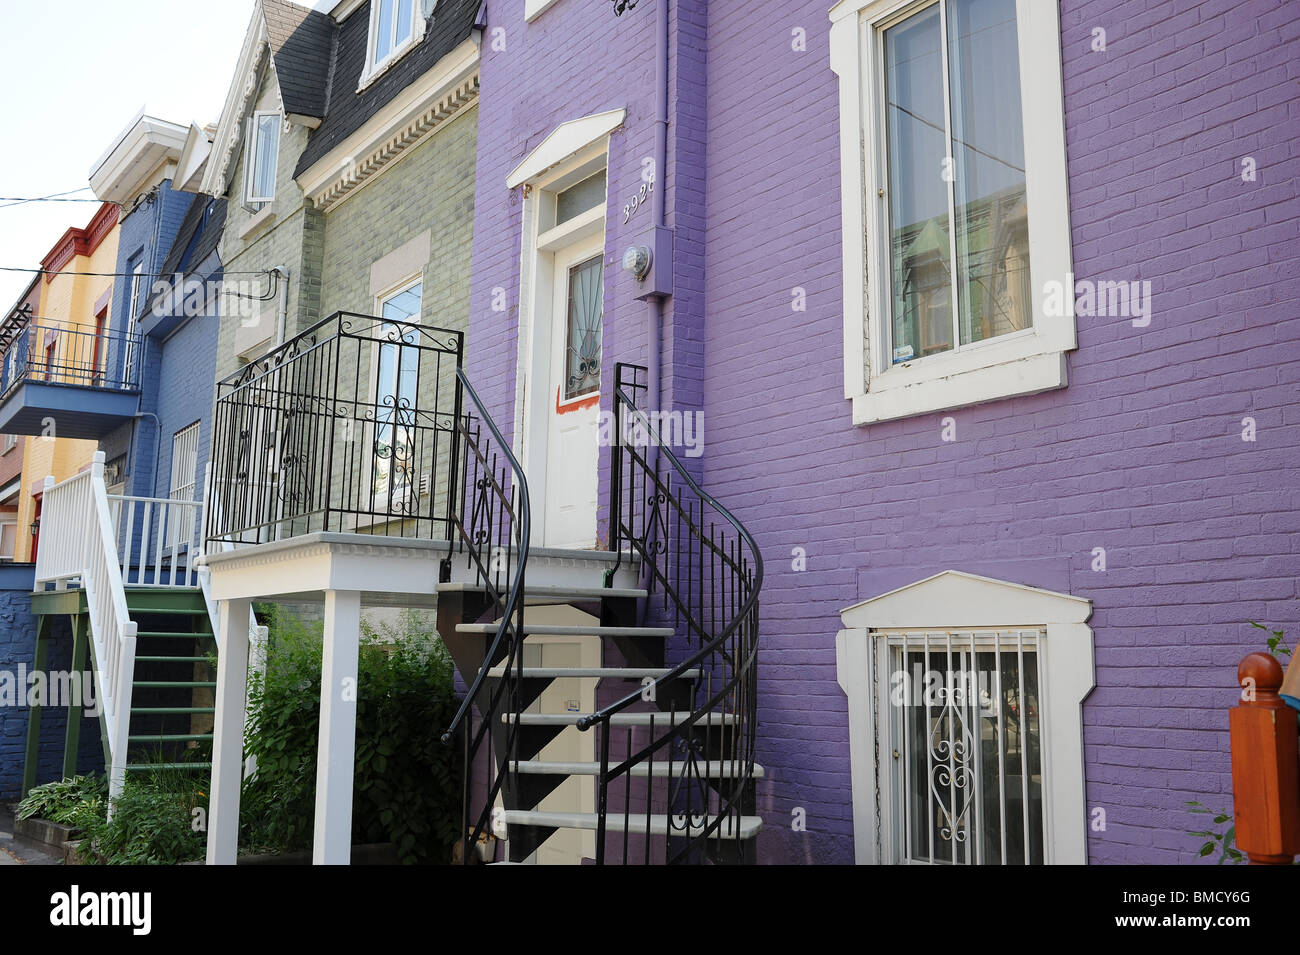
[346,110]
[302,43]
[197,238]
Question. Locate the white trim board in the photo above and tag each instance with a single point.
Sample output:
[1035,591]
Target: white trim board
[563,141]
[954,600]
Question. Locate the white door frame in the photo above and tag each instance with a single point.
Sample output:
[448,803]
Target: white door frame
[542,240]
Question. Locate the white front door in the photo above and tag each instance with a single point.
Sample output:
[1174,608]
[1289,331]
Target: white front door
[573,396]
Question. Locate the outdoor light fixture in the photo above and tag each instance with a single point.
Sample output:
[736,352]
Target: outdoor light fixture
[36,527]
[637,261]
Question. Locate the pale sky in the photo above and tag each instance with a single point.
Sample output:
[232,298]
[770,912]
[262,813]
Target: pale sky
[73,74]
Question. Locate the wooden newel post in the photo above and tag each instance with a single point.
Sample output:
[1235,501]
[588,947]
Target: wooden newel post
[1265,765]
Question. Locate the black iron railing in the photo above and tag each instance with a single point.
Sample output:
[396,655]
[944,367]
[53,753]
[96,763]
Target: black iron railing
[75,355]
[348,427]
[490,519]
[704,573]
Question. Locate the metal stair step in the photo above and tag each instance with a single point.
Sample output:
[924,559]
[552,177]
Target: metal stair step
[553,592]
[174,684]
[166,659]
[172,738]
[171,709]
[743,827]
[171,633]
[164,611]
[601,673]
[660,719]
[136,767]
[568,630]
[705,768]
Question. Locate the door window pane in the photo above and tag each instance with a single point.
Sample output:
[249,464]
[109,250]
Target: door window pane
[580,197]
[582,343]
[392,471]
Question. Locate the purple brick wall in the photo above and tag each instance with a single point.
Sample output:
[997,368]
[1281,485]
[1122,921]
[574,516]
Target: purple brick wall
[1141,454]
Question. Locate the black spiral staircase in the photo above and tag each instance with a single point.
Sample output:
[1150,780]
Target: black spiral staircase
[674,776]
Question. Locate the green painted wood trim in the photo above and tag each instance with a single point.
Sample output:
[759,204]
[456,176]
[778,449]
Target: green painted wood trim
[30,757]
[72,737]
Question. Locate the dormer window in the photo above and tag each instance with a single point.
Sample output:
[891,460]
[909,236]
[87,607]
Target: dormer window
[395,25]
[262,156]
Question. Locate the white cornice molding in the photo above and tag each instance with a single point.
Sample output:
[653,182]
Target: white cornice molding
[141,156]
[407,120]
[563,141]
[243,89]
[954,599]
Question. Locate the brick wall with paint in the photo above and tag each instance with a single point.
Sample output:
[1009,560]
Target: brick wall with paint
[1142,454]
[18,648]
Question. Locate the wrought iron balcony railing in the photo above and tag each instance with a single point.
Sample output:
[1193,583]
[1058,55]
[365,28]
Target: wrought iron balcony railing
[71,355]
[349,427]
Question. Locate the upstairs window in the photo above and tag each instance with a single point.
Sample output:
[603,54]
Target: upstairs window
[394,26]
[263,153]
[955,206]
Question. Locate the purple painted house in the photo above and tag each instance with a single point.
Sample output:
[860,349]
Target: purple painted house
[981,319]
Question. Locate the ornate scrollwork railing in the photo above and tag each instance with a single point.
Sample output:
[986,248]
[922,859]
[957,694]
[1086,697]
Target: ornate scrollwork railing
[349,426]
[704,573]
[490,519]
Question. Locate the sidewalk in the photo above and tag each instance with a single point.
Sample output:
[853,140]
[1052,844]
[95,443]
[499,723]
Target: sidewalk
[13,852]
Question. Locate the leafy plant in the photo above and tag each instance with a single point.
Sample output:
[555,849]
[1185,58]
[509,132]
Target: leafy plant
[1276,645]
[407,783]
[1224,842]
[75,802]
[159,818]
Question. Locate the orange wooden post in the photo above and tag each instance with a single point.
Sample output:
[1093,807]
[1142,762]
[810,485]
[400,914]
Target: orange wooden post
[1265,765]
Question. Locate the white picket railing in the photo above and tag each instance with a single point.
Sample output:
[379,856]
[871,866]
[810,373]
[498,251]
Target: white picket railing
[78,542]
[158,540]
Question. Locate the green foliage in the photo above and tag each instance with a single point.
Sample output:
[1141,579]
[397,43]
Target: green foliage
[1276,645]
[76,802]
[159,818]
[407,783]
[1222,842]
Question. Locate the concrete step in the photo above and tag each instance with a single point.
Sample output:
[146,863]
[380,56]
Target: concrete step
[568,630]
[599,673]
[623,719]
[743,827]
[560,594]
[707,768]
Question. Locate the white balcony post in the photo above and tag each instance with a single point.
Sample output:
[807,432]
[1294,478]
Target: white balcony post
[228,734]
[336,750]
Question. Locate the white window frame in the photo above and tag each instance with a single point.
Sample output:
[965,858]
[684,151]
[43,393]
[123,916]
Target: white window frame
[13,553]
[958,601]
[185,447]
[132,324]
[373,69]
[11,442]
[250,153]
[1021,363]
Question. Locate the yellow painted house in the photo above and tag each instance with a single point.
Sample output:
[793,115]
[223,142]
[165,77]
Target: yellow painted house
[74,306]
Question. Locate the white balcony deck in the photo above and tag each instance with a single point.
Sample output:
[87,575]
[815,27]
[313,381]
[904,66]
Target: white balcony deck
[385,571]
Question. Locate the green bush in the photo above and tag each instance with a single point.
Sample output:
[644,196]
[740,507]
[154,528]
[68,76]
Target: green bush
[75,802]
[159,818]
[407,786]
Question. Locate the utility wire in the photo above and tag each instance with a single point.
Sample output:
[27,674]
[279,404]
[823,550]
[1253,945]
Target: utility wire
[55,197]
[128,275]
